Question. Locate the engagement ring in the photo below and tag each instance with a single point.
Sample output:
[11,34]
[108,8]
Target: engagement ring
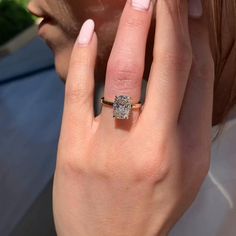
[122,106]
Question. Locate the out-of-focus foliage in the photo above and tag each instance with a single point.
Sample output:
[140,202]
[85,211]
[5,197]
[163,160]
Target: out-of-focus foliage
[14,18]
[22,2]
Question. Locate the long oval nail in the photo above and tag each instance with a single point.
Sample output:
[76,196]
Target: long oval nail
[86,32]
[142,5]
[195,8]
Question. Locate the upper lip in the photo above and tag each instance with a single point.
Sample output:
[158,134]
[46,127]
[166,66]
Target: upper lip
[45,18]
[40,13]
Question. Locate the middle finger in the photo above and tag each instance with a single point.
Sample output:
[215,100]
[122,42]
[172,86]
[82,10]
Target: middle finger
[171,64]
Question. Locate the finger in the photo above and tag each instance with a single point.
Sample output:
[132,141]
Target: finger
[171,64]
[196,114]
[126,63]
[78,108]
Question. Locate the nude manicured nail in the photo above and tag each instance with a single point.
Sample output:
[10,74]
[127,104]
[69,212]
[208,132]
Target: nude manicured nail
[86,32]
[142,5]
[195,8]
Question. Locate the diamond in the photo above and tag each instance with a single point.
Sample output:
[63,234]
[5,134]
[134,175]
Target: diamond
[122,107]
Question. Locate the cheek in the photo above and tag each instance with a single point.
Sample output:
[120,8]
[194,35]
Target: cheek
[117,3]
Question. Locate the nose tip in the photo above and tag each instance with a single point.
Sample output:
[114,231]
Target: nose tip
[34,9]
[30,7]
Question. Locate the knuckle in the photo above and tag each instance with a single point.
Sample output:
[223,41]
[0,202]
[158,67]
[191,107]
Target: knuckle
[72,93]
[101,166]
[204,69]
[125,67]
[179,59]
[78,90]
[183,59]
[71,167]
[103,172]
[82,59]
[75,93]
[156,168]
[134,22]
[127,70]
[155,171]
[106,169]
[159,171]
[125,75]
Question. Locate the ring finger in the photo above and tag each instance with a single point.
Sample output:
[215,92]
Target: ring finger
[126,63]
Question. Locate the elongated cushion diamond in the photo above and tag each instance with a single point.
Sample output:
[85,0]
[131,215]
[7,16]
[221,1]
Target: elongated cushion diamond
[122,107]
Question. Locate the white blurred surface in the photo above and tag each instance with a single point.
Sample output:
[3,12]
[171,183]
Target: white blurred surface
[214,211]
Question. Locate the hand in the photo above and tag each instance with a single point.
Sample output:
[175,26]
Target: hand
[136,177]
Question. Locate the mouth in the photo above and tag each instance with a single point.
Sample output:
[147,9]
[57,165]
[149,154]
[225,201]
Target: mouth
[44,26]
[44,20]
[43,17]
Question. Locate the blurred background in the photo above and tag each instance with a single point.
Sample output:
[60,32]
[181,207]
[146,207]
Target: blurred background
[31,104]
[14,18]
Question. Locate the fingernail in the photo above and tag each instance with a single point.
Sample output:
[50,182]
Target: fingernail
[195,8]
[142,5]
[86,32]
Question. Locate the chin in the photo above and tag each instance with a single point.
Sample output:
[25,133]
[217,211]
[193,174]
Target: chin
[61,47]
[62,61]
[61,70]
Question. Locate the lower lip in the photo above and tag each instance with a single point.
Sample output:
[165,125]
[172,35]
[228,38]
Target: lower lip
[43,24]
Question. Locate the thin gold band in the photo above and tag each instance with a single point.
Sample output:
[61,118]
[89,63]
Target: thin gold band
[109,103]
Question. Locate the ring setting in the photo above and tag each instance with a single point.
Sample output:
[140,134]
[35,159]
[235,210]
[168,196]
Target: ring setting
[122,106]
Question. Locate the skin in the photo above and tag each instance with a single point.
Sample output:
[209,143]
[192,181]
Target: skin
[133,177]
[68,17]
[70,14]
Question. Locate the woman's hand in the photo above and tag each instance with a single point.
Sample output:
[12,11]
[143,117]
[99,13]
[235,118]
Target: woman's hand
[136,177]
